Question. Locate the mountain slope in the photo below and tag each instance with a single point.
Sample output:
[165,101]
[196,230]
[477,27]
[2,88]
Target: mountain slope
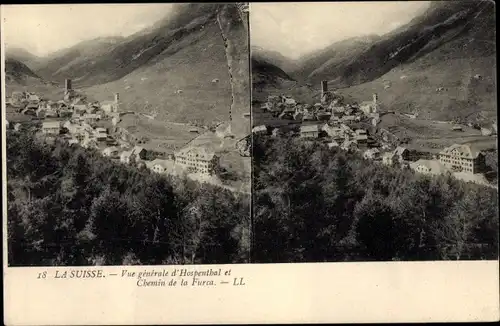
[274,58]
[180,68]
[469,24]
[442,64]
[320,64]
[70,62]
[22,55]
[266,74]
[19,77]
[106,60]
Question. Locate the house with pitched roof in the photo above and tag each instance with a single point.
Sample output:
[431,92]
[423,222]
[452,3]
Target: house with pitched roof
[287,113]
[197,159]
[349,145]
[333,144]
[51,127]
[161,166]
[309,131]
[389,158]
[431,167]
[333,131]
[289,101]
[262,129]
[463,158]
[32,97]
[402,153]
[134,155]
[361,136]
[40,112]
[91,118]
[100,134]
[111,151]
[80,108]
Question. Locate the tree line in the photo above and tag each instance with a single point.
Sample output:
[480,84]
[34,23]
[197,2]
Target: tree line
[71,206]
[315,204]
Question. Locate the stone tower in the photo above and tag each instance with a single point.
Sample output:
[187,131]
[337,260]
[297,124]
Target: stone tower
[375,103]
[67,86]
[68,91]
[324,88]
[117,102]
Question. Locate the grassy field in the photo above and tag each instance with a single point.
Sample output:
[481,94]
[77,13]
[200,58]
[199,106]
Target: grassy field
[178,83]
[163,136]
[432,136]
[167,137]
[414,87]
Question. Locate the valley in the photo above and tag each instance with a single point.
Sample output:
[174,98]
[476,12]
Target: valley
[156,123]
[433,78]
[441,64]
[176,80]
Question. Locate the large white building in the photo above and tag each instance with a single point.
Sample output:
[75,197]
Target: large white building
[197,159]
[462,158]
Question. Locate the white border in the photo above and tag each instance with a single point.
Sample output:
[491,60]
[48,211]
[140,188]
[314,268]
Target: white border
[274,293]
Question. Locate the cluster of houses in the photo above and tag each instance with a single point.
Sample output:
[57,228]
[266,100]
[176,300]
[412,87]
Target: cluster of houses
[190,159]
[72,106]
[94,126]
[329,119]
[329,109]
[461,160]
[338,124]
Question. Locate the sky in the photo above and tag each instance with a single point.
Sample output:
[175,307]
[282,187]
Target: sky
[294,29]
[42,29]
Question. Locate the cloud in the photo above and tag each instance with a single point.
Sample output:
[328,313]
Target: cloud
[298,28]
[42,29]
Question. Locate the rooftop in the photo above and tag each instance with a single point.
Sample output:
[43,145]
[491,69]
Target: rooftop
[259,128]
[367,103]
[137,150]
[166,164]
[434,166]
[51,124]
[309,128]
[112,148]
[199,152]
[463,150]
[399,150]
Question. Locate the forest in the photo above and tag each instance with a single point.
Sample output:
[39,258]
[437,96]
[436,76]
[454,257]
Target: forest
[69,206]
[315,204]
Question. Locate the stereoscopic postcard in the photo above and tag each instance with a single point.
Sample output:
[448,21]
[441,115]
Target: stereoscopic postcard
[196,163]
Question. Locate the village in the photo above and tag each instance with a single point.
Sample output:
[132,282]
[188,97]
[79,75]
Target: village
[95,125]
[356,128]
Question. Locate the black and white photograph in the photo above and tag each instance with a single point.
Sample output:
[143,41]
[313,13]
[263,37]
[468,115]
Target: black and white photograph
[127,134]
[374,131]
